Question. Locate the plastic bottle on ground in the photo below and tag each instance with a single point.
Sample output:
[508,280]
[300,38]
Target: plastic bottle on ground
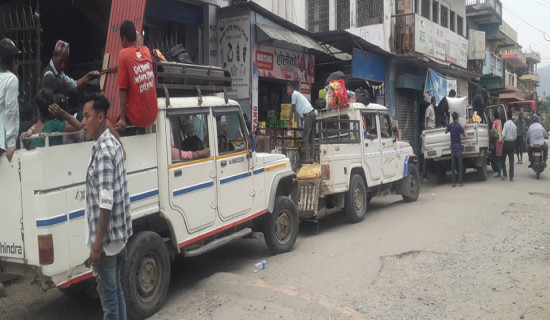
[259,266]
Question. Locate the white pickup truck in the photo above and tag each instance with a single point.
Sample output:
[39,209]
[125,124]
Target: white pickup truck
[360,157]
[178,206]
[436,147]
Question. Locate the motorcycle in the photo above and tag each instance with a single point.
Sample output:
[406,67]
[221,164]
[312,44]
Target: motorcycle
[537,163]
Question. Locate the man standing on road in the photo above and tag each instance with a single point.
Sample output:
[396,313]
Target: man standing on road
[430,115]
[307,113]
[509,136]
[108,224]
[520,141]
[456,149]
[136,81]
[9,93]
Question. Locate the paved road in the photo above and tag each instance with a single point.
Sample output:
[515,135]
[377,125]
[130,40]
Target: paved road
[477,252]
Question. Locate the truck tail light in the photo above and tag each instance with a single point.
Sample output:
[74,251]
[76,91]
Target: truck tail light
[325,172]
[45,249]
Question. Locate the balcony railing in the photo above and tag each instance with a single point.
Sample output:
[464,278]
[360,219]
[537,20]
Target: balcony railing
[483,7]
[531,76]
[493,65]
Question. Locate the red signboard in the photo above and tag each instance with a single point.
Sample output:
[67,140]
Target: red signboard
[264,60]
[121,10]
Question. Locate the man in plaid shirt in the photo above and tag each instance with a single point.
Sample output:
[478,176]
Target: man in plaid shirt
[108,222]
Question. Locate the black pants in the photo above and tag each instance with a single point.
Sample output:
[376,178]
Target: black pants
[508,150]
[309,136]
[456,165]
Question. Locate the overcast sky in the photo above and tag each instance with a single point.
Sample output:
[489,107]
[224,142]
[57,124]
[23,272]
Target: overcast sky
[530,18]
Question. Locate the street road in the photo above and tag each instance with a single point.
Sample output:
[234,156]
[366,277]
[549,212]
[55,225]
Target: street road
[477,252]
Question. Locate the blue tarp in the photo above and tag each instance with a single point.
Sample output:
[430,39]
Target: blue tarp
[437,86]
[368,66]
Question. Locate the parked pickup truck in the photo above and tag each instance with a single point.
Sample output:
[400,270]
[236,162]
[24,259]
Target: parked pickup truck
[178,206]
[436,147]
[360,157]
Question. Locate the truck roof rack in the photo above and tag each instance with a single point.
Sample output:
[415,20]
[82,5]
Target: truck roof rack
[184,79]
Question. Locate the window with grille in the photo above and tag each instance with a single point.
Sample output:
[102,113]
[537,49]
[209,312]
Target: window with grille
[460,25]
[370,12]
[444,17]
[435,12]
[318,15]
[426,9]
[452,21]
[342,14]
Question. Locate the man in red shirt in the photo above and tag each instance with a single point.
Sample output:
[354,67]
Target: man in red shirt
[136,81]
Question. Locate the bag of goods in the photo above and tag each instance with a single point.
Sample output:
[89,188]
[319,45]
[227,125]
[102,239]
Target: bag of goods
[362,96]
[309,172]
[337,95]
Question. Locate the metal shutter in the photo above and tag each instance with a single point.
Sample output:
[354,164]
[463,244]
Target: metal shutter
[407,115]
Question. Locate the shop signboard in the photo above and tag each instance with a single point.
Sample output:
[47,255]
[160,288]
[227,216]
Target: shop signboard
[457,49]
[476,46]
[372,33]
[284,64]
[429,38]
[234,53]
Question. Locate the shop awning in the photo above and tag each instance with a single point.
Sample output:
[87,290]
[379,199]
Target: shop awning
[341,43]
[288,36]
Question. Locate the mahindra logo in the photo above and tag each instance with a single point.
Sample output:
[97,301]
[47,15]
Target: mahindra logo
[7,248]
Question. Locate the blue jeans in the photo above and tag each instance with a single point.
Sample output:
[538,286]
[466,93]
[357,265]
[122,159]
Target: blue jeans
[456,165]
[107,274]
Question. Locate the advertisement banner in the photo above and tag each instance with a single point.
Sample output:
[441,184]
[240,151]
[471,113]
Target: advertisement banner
[476,48]
[234,53]
[284,64]
[457,49]
[438,86]
[429,38]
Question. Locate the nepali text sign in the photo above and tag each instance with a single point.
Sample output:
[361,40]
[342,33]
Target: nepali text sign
[373,34]
[476,49]
[429,38]
[457,49]
[234,53]
[284,64]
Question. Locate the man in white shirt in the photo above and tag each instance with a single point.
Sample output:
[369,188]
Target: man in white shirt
[509,136]
[307,113]
[535,136]
[430,116]
[9,93]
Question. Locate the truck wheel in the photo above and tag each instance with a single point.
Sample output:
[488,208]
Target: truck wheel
[145,274]
[355,204]
[281,226]
[482,171]
[414,183]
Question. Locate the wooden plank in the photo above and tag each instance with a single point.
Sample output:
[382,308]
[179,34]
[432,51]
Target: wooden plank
[103,67]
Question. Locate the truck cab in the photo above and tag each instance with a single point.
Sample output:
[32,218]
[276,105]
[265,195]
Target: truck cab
[178,205]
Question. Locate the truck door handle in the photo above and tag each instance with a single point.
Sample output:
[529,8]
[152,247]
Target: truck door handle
[177,173]
[223,163]
[366,144]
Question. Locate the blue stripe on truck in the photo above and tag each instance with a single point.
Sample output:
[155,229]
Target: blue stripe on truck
[80,213]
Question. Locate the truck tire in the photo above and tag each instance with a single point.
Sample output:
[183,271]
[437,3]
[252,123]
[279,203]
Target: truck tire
[281,226]
[355,202]
[414,183]
[145,275]
[482,171]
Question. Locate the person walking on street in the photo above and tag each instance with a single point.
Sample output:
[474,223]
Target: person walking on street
[521,132]
[307,113]
[108,223]
[136,82]
[456,149]
[496,135]
[9,93]
[509,136]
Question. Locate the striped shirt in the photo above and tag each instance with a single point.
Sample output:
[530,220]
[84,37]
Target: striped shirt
[107,188]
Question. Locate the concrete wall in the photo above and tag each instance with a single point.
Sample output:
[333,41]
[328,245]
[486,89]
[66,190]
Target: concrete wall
[291,10]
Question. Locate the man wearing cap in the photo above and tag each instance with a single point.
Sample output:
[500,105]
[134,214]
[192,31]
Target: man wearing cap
[307,113]
[9,93]
[54,77]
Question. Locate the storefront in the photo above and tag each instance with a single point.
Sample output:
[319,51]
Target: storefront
[263,52]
